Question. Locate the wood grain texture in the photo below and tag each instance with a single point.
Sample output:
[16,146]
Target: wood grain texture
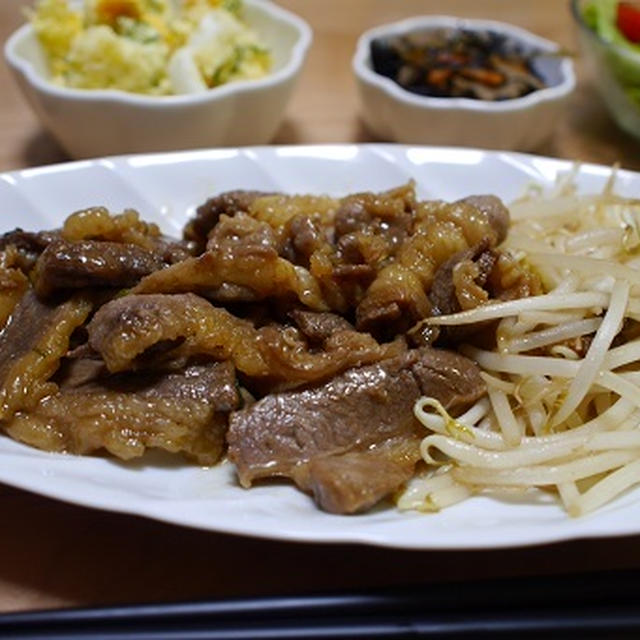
[53,554]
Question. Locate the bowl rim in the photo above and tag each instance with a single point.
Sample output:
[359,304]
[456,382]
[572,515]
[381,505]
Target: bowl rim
[296,57]
[367,75]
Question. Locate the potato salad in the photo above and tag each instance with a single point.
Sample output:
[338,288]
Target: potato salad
[153,47]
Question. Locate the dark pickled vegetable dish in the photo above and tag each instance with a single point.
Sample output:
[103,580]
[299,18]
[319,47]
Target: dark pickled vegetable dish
[285,331]
[453,63]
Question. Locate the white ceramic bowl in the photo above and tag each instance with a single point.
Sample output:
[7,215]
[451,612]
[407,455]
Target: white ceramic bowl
[91,123]
[394,113]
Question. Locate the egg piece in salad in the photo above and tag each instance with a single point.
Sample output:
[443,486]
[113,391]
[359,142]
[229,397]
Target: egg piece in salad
[153,47]
[221,49]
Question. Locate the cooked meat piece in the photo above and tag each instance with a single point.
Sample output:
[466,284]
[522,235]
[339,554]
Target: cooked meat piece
[242,235]
[183,411]
[494,208]
[242,253]
[208,214]
[76,371]
[213,382]
[279,210]
[34,340]
[291,362]
[511,279]
[354,276]
[139,331]
[397,298]
[94,248]
[385,216]
[470,223]
[29,241]
[341,285]
[319,326]
[370,228]
[171,251]
[351,248]
[126,228]
[356,481]
[88,263]
[470,277]
[13,283]
[351,216]
[458,283]
[97,223]
[28,245]
[142,331]
[422,334]
[344,248]
[448,377]
[304,238]
[360,408]
[393,303]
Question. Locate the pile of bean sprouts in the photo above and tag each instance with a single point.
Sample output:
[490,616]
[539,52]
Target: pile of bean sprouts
[562,410]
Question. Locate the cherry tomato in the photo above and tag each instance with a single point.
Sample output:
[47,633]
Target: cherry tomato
[628,20]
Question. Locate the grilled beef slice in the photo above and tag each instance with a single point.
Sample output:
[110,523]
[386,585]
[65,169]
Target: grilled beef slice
[318,326]
[497,213]
[208,214]
[34,340]
[142,331]
[182,411]
[445,295]
[28,245]
[74,265]
[358,410]
[139,331]
[13,285]
[357,480]
[241,264]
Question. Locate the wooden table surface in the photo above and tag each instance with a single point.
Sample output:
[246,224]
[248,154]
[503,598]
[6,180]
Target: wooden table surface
[57,555]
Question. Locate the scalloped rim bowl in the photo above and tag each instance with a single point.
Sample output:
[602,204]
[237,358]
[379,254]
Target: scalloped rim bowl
[397,114]
[102,122]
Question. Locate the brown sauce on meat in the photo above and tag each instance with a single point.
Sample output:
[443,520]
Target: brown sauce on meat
[288,329]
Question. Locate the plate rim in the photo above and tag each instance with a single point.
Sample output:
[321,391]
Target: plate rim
[351,536]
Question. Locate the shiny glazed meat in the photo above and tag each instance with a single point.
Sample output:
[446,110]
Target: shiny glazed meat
[76,265]
[184,411]
[141,331]
[208,214]
[356,481]
[370,257]
[286,328]
[361,409]
[33,341]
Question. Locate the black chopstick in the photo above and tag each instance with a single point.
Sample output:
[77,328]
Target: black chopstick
[588,605]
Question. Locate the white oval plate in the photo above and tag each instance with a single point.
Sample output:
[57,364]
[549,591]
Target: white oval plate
[166,188]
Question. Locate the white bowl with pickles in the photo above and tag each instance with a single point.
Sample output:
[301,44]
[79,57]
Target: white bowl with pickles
[108,77]
[445,80]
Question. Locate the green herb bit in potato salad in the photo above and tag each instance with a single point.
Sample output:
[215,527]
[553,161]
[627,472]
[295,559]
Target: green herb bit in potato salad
[154,47]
